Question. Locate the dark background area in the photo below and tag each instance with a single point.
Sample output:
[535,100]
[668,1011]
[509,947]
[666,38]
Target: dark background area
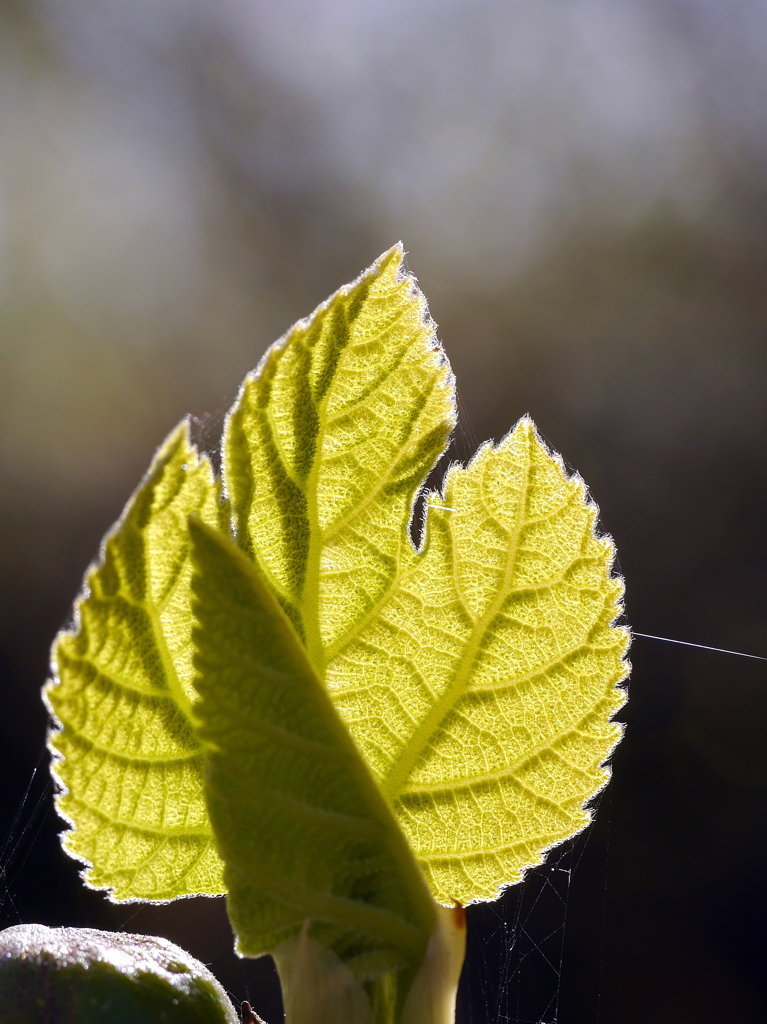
[582,189]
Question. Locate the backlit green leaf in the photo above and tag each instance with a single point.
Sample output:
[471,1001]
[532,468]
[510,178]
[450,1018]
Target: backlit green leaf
[126,751]
[382,726]
[327,446]
[301,823]
[481,692]
[477,676]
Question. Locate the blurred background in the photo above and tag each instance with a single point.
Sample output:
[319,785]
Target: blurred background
[582,189]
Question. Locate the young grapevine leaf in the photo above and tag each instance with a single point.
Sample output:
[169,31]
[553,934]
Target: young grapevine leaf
[302,825]
[126,753]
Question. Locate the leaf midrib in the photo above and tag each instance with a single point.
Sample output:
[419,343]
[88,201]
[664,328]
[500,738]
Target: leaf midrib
[393,783]
[318,538]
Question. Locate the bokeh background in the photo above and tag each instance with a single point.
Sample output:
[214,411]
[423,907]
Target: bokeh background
[582,188]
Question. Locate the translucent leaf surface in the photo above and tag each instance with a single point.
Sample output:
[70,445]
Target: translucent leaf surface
[481,692]
[327,445]
[301,823]
[127,755]
[477,676]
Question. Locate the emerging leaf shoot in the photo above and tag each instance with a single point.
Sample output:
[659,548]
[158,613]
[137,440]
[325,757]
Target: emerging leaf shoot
[303,828]
[382,726]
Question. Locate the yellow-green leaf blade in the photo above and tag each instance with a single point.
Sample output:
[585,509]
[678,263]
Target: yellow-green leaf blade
[125,750]
[483,691]
[327,445]
[302,826]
